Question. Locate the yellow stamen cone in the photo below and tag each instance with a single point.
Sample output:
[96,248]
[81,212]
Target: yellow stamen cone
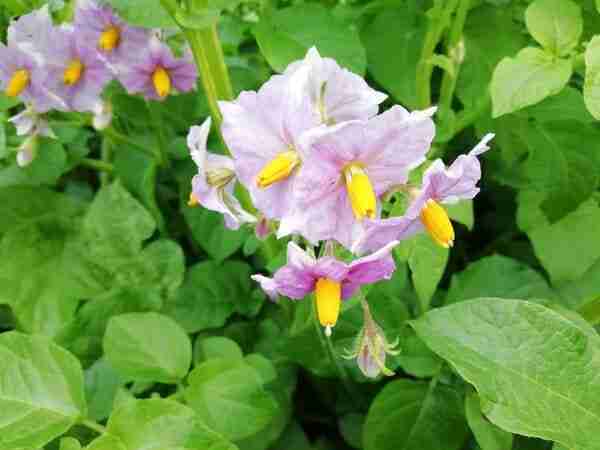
[193,201]
[162,82]
[18,83]
[278,169]
[109,39]
[436,221]
[73,72]
[329,300]
[361,193]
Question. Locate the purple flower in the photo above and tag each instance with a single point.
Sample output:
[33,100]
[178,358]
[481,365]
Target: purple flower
[32,33]
[336,94]
[76,73]
[22,76]
[99,27]
[29,122]
[264,130]
[349,167]
[440,185]
[331,280]
[157,72]
[213,186]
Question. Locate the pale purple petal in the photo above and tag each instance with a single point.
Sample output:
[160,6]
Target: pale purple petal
[268,285]
[196,142]
[331,268]
[262,228]
[28,122]
[378,233]
[370,269]
[294,283]
[298,258]
[367,363]
[32,33]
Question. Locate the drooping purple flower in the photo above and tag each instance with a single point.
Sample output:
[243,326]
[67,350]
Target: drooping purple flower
[264,130]
[29,122]
[350,166]
[331,280]
[213,186]
[157,73]
[441,184]
[32,33]
[100,27]
[76,73]
[22,76]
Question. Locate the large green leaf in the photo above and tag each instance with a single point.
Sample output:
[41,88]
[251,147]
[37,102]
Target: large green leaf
[556,24]
[148,347]
[497,276]
[143,13]
[414,415]
[591,88]
[488,435]
[285,35]
[534,368]
[228,396]
[41,395]
[400,32]
[527,79]
[49,164]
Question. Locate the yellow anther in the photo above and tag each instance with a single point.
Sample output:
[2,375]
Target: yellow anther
[162,82]
[73,72]
[360,191]
[109,39]
[436,221]
[278,169]
[329,300]
[219,177]
[18,83]
[193,201]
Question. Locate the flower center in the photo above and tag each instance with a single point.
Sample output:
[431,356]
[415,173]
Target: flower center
[219,177]
[436,221]
[278,169]
[329,299]
[161,81]
[109,39]
[360,191]
[18,83]
[73,72]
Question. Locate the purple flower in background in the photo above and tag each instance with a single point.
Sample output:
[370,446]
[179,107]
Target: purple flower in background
[331,280]
[32,33]
[213,186]
[76,73]
[335,93]
[157,72]
[264,130]
[99,27]
[22,76]
[350,166]
[29,122]
[440,185]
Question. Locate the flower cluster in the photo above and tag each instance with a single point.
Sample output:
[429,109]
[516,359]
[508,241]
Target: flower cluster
[67,67]
[317,157]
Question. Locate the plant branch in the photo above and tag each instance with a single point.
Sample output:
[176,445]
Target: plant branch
[97,164]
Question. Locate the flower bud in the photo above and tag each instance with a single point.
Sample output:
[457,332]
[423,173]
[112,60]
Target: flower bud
[103,114]
[27,151]
[262,228]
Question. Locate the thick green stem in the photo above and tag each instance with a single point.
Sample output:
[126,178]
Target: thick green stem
[455,50]
[97,164]
[437,24]
[106,155]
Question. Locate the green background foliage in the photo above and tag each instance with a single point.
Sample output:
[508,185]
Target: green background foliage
[129,320]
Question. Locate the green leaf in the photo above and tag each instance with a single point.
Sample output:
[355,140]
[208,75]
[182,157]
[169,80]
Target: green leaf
[427,261]
[143,13]
[49,164]
[106,442]
[285,36]
[534,368]
[69,443]
[567,105]
[198,20]
[161,424]
[216,347]
[527,79]
[462,212]
[413,415]
[41,396]
[400,32]
[569,247]
[488,436]
[497,276]
[228,396]
[591,88]
[102,383]
[415,357]
[148,347]
[556,24]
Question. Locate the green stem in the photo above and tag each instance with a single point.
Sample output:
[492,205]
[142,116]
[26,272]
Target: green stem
[100,429]
[591,311]
[432,38]
[116,137]
[155,116]
[106,154]
[97,164]
[455,52]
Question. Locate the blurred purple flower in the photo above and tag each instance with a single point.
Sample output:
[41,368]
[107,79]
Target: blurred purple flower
[99,27]
[32,33]
[157,72]
[349,167]
[440,185]
[213,186]
[331,280]
[76,73]
[29,122]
